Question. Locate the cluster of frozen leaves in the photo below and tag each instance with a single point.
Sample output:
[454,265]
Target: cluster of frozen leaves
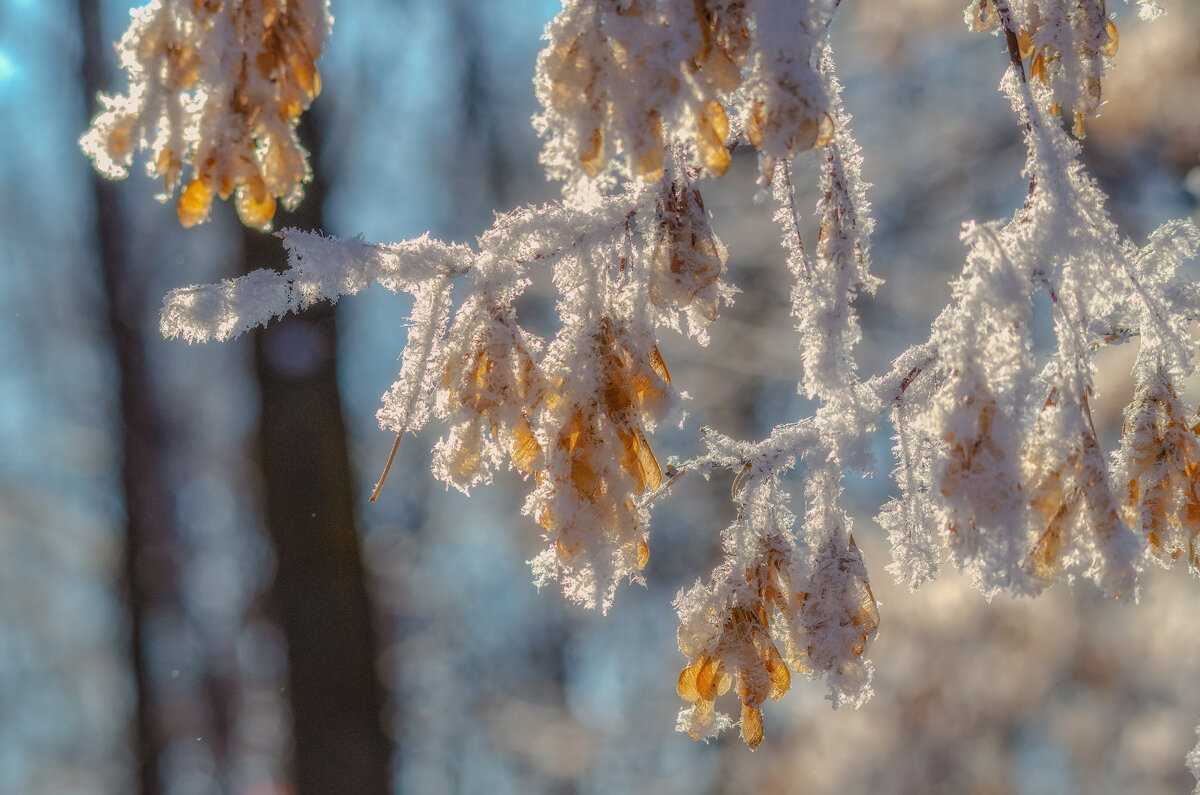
[996,458]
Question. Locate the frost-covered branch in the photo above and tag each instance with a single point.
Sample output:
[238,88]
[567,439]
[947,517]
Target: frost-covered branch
[319,268]
[997,460]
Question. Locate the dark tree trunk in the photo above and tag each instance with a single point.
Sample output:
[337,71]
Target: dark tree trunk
[149,565]
[320,594]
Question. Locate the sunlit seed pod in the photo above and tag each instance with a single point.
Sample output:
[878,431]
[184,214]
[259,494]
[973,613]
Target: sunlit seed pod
[708,678]
[814,133]
[571,437]
[629,459]
[1025,43]
[753,685]
[253,211]
[650,164]
[1037,69]
[1045,559]
[712,127]
[651,473]
[195,202]
[1110,47]
[983,17]
[584,479]
[478,388]
[781,677]
[686,686]
[752,726]
[1134,493]
[593,158]
[659,365]
[643,553]
[290,107]
[650,399]
[566,552]
[525,450]
[226,185]
[1078,129]
[270,10]
[766,167]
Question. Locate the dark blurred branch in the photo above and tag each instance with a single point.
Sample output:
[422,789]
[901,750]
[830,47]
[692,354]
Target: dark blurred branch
[320,595]
[148,565]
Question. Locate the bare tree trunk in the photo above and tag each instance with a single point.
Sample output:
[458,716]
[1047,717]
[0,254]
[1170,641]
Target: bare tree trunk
[320,592]
[149,565]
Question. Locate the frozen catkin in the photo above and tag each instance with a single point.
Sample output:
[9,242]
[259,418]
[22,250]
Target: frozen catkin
[216,89]
[998,465]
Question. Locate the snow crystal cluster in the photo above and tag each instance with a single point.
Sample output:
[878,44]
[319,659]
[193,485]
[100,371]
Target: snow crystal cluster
[996,457]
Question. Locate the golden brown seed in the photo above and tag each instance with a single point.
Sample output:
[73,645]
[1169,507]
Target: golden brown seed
[686,686]
[712,127]
[593,158]
[1109,48]
[752,727]
[643,553]
[194,203]
[255,212]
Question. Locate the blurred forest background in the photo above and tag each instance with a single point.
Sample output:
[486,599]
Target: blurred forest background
[196,596]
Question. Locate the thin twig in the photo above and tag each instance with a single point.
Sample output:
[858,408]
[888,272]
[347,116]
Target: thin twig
[387,467]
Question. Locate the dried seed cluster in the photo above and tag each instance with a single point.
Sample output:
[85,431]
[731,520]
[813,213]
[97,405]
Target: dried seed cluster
[622,79]
[820,611]
[1162,454]
[1069,493]
[216,87]
[1063,44]
[600,459]
[489,393]
[687,259]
